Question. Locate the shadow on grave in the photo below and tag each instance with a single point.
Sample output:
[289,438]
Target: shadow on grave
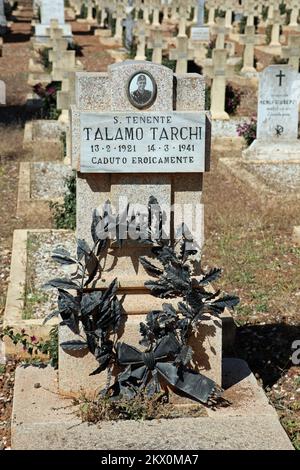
[267,349]
[16,114]
[17,37]
[82,33]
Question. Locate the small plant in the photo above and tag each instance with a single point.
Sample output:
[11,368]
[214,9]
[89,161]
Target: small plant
[83,11]
[232,99]
[242,24]
[44,58]
[247,130]
[171,64]
[104,409]
[264,12]
[34,346]
[268,33]
[64,215]
[48,95]
[210,47]
[220,13]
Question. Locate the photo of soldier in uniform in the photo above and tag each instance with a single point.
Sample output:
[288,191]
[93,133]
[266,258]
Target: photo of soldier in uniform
[142,90]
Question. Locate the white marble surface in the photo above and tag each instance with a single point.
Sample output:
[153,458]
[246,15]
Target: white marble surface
[278,104]
[143,142]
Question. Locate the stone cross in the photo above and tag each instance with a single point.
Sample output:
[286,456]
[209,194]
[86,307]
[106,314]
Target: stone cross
[119,16]
[294,6]
[183,13]
[275,35]
[155,4]
[249,11]
[249,39]
[271,5]
[221,31]
[211,5]
[146,11]
[218,69]
[157,43]
[182,54]
[141,31]
[292,51]
[228,6]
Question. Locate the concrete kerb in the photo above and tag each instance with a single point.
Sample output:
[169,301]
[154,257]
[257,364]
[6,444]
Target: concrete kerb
[25,204]
[233,165]
[44,419]
[44,136]
[15,300]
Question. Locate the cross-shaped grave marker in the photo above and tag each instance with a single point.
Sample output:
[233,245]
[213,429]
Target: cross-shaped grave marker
[157,43]
[182,54]
[249,39]
[292,51]
[218,69]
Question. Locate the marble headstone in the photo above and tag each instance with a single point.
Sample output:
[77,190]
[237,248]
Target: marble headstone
[277,117]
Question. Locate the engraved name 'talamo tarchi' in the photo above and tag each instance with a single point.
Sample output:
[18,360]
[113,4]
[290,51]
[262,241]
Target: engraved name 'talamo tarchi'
[171,142]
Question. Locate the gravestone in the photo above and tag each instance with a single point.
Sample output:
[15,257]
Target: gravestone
[292,51]
[218,69]
[277,117]
[199,32]
[182,54]
[249,39]
[52,10]
[146,149]
[156,42]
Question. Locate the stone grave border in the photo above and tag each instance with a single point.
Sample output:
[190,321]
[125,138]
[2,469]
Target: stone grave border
[32,139]
[25,203]
[15,294]
[42,419]
[233,165]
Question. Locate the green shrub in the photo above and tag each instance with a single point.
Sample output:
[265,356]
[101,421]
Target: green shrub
[64,215]
[83,11]
[34,346]
[44,58]
[242,24]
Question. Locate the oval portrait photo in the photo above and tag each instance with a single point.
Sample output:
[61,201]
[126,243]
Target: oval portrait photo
[141,90]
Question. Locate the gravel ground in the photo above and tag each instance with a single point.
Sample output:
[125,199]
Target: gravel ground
[47,180]
[284,177]
[42,268]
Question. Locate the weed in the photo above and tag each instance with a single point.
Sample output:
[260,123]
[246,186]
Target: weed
[64,215]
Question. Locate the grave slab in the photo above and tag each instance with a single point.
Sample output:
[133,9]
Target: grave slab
[42,419]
